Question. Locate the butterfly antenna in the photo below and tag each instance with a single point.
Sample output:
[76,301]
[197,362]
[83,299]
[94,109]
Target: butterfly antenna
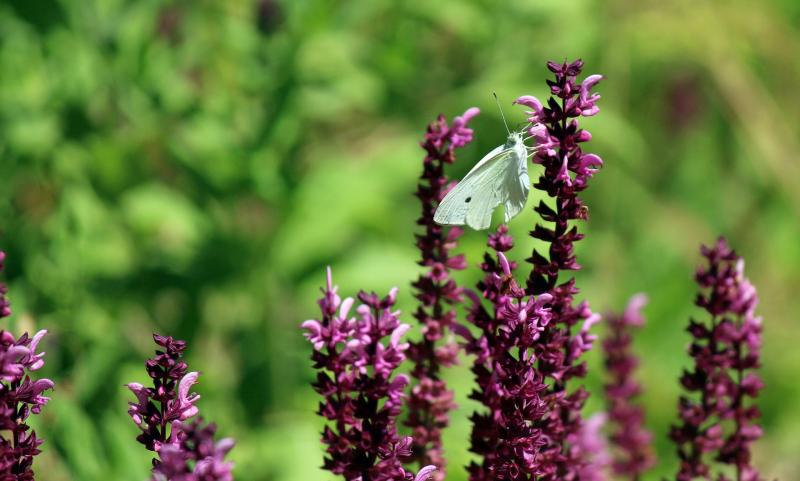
[501,111]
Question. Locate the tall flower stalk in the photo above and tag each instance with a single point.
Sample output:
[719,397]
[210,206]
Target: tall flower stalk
[718,414]
[431,401]
[362,396]
[506,434]
[527,350]
[633,451]
[186,451]
[567,171]
[20,396]
[168,401]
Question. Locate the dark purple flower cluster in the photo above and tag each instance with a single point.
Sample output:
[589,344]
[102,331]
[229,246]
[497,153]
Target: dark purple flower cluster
[567,170]
[719,422]
[362,396]
[634,452]
[168,400]
[20,396]
[431,401]
[186,451]
[196,456]
[508,435]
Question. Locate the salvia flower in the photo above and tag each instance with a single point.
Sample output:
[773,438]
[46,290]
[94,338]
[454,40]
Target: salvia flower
[507,434]
[195,455]
[633,453]
[443,138]
[567,171]
[356,358]
[431,401]
[169,399]
[718,414]
[20,396]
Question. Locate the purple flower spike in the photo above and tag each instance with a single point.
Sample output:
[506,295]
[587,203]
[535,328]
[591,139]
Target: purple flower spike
[431,401]
[186,450]
[632,442]
[362,396]
[20,396]
[508,434]
[718,423]
[567,171]
[158,407]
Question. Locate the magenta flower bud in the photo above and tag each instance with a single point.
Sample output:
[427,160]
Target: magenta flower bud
[583,136]
[563,173]
[504,264]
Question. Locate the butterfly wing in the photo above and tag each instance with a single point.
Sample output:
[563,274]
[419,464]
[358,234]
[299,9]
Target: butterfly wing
[501,177]
[487,197]
[517,183]
[473,200]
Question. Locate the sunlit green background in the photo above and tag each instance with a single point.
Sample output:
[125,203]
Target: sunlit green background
[190,167]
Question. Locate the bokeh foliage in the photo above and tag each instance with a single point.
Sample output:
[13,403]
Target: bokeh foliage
[190,167]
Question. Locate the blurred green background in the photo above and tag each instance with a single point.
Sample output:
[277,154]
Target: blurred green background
[190,167]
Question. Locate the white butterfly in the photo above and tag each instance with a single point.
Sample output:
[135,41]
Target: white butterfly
[501,177]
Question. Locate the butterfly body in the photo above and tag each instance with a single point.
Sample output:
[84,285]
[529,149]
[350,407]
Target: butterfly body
[501,177]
